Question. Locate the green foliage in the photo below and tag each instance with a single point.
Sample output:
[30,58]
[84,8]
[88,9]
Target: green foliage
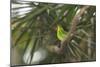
[37,28]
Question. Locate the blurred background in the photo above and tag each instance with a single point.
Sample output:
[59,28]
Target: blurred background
[34,33]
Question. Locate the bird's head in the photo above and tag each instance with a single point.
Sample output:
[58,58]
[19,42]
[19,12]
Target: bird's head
[59,27]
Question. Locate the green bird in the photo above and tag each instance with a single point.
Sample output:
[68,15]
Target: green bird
[61,33]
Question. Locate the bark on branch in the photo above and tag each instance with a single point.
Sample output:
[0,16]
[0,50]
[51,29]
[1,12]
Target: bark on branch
[72,30]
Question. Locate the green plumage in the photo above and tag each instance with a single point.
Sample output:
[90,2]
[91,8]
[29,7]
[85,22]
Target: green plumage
[61,34]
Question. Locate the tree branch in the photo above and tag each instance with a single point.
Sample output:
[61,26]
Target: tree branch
[72,30]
